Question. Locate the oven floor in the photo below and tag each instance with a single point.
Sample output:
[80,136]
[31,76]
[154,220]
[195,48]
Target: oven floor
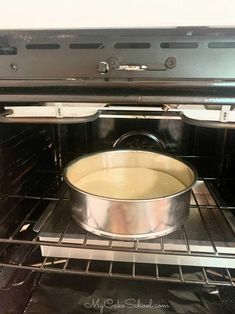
[56,293]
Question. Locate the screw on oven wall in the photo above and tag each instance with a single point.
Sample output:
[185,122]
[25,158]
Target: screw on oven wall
[14,67]
[103,67]
[170,63]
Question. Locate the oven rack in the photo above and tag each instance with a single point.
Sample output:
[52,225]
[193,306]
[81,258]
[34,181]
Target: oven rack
[48,191]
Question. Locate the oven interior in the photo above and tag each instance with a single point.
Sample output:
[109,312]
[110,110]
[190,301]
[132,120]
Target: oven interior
[33,157]
[50,265]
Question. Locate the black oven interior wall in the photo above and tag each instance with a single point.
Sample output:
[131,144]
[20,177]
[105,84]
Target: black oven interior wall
[26,156]
[210,151]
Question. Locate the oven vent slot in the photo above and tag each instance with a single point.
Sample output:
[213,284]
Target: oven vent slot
[179,45]
[86,46]
[8,51]
[42,46]
[219,44]
[131,45]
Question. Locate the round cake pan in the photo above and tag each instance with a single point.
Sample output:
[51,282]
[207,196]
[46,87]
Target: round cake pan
[130,219]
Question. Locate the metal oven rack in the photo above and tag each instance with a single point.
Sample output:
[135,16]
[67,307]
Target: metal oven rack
[22,247]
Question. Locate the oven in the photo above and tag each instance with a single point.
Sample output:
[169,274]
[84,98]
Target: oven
[68,93]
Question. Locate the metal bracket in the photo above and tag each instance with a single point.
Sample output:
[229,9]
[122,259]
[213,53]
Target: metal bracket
[224,114]
[59,110]
[113,64]
[170,63]
[193,114]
